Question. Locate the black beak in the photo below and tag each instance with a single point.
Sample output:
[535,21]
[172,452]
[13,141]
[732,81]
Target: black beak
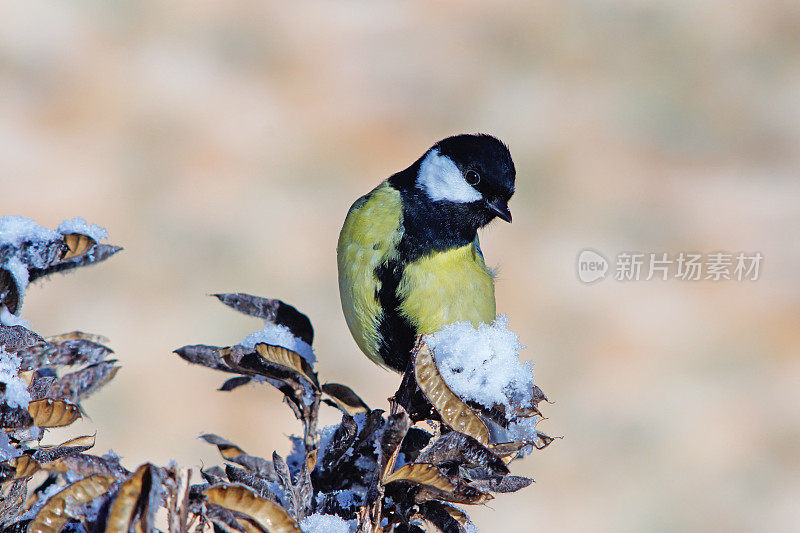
[500,208]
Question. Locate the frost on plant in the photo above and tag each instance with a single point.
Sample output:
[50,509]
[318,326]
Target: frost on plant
[463,413]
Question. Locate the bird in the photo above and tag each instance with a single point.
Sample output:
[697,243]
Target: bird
[409,259]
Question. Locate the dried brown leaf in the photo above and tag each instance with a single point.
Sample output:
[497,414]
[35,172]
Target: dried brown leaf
[244,500]
[343,398]
[393,434]
[78,335]
[285,480]
[235,383]
[25,466]
[226,448]
[279,355]
[432,484]
[13,338]
[47,454]
[11,504]
[455,413]
[123,508]
[76,386]
[59,509]
[66,352]
[271,310]
[459,515]
[443,517]
[85,464]
[224,519]
[233,453]
[502,484]
[77,245]
[99,253]
[257,483]
[39,387]
[204,355]
[286,371]
[456,448]
[213,475]
[421,474]
[49,413]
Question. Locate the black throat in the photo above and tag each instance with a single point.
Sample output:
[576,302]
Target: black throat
[430,226]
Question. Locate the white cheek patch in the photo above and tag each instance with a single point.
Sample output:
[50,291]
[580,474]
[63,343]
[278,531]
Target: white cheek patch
[440,178]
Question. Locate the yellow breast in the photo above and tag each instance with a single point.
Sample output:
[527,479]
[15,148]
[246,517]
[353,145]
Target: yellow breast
[445,287]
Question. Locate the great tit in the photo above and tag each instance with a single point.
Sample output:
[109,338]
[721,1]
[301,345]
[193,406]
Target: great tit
[408,254]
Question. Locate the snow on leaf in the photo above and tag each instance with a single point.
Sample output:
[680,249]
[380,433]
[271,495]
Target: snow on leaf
[455,413]
[78,225]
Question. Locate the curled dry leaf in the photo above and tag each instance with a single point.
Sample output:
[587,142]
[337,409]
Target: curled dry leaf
[445,518]
[271,310]
[421,474]
[455,413]
[101,252]
[122,510]
[66,352]
[79,335]
[459,515]
[432,484]
[232,452]
[77,245]
[13,338]
[279,355]
[76,386]
[342,440]
[204,355]
[507,450]
[224,519]
[286,371]
[257,483]
[12,503]
[60,508]
[393,434]
[86,441]
[85,464]
[285,479]
[235,383]
[213,475]
[49,413]
[244,500]
[456,448]
[226,448]
[46,454]
[503,484]
[25,466]
[343,398]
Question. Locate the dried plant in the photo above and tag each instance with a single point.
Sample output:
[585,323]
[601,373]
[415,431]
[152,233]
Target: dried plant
[405,470]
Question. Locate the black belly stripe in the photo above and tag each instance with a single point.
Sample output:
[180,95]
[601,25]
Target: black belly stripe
[396,333]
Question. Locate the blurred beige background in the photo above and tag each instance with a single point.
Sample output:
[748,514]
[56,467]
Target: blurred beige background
[222,143]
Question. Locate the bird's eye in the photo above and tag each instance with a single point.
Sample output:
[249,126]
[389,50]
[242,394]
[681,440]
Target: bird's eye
[472,177]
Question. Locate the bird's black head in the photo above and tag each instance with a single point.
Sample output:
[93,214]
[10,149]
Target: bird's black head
[475,171]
